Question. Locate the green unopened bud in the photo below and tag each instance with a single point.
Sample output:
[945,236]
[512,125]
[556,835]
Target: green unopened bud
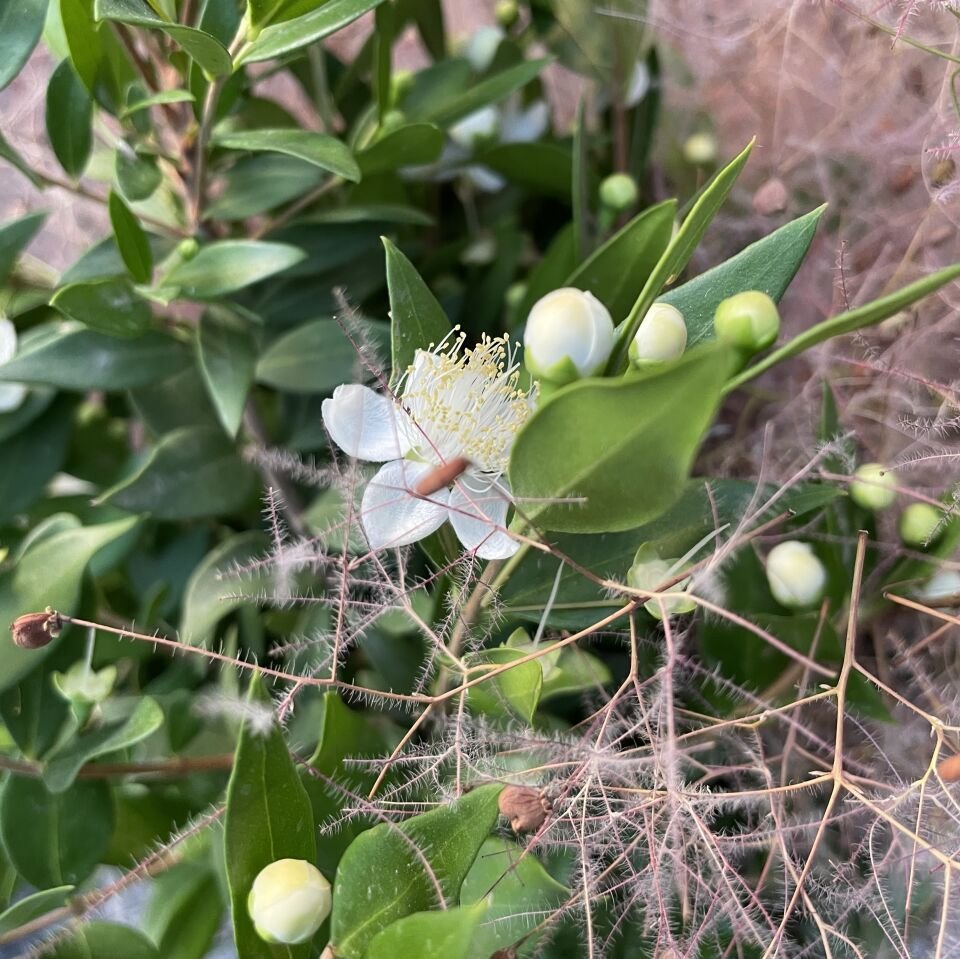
[515,294]
[506,12]
[920,524]
[873,487]
[700,149]
[289,901]
[619,192]
[569,334]
[84,686]
[187,249]
[796,576]
[662,336]
[749,321]
[648,572]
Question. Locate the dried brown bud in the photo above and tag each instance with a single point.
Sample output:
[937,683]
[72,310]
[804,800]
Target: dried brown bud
[524,807]
[771,197]
[901,179]
[949,769]
[442,476]
[36,630]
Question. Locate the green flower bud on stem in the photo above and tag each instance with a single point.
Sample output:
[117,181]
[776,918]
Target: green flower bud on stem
[700,149]
[795,575]
[872,487]
[619,192]
[748,321]
[919,524]
[507,12]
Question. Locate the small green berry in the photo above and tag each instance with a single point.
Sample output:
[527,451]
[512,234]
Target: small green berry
[700,149]
[795,575]
[749,321]
[619,192]
[873,487]
[507,13]
[919,524]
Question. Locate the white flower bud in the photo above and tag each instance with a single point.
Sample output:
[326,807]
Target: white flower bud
[569,334]
[288,901]
[619,191]
[700,149]
[919,524]
[872,487]
[477,126]
[482,46]
[11,394]
[796,576]
[662,336]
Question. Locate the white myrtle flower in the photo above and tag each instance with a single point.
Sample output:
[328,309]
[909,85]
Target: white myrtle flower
[452,405]
[11,394]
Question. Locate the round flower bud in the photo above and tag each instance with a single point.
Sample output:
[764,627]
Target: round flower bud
[700,149]
[187,249]
[569,334]
[506,12]
[475,128]
[943,585]
[919,524]
[872,487]
[749,321]
[796,576]
[661,336]
[288,901]
[619,192]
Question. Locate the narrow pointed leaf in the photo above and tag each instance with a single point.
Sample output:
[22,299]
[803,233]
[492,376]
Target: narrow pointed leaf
[228,357]
[69,116]
[21,23]
[321,150]
[131,240]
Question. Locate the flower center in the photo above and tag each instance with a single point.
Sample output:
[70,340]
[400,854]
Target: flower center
[466,402]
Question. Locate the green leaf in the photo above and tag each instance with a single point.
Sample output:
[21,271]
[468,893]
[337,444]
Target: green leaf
[131,240]
[137,176]
[323,151]
[616,272]
[62,768]
[80,359]
[518,894]
[261,182]
[549,274]
[207,51]
[155,100]
[212,592]
[767,265]
[185,911]
[445,934]
[417,320]
[448,837]
[230,265]
[568,670]
[55,840]
[33,907]
[867,315]
[268,818]
[415,144]
[514,694]
[83,40]
[487,91]
[8,153]
[190,473]
[14,236]
[105,940]
[281,38]
[678,253]
[313,358]
[21,23]
[623,445]
[228,358]
[261,12]
[540,167]
[69,117]
[108,306]
[48,574]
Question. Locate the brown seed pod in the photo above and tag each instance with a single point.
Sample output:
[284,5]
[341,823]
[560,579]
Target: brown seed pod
[524,807]
[442,476]
[949,769]
[36,630]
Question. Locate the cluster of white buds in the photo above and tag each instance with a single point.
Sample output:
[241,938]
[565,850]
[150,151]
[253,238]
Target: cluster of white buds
[288,901]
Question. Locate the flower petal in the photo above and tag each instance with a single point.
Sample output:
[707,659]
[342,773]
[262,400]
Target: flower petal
[11,396]
[479,519]
[392,515]
[365,424]
[8,340]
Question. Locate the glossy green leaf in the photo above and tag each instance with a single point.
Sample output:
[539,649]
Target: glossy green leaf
[131,240]
[448,837]
[678,253]
[80,359]
[21,23]
[107,306]
[313,358]
[261,12]
[228,357]
[867,315]
[417,320]
[105,940]
[69,119]
[442,934]
[48,574]
[261,182]
[191,472]
[83,39]
[290,35]
[268,818]
[155,100]
[230,265]
[514,694]
[617,271]
[14,236]
[207,51]
[518,894]
[539,167]
[549,274]
[33,907]
[321,150]
[68,833]
[568,670]
[415,144]
[489,90]
[62,768]
[137,176]
[622,448]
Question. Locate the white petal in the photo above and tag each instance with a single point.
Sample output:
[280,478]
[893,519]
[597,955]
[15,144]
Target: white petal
[365,424]
[479,519]
[8,340]
[11,396]
[392,515]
